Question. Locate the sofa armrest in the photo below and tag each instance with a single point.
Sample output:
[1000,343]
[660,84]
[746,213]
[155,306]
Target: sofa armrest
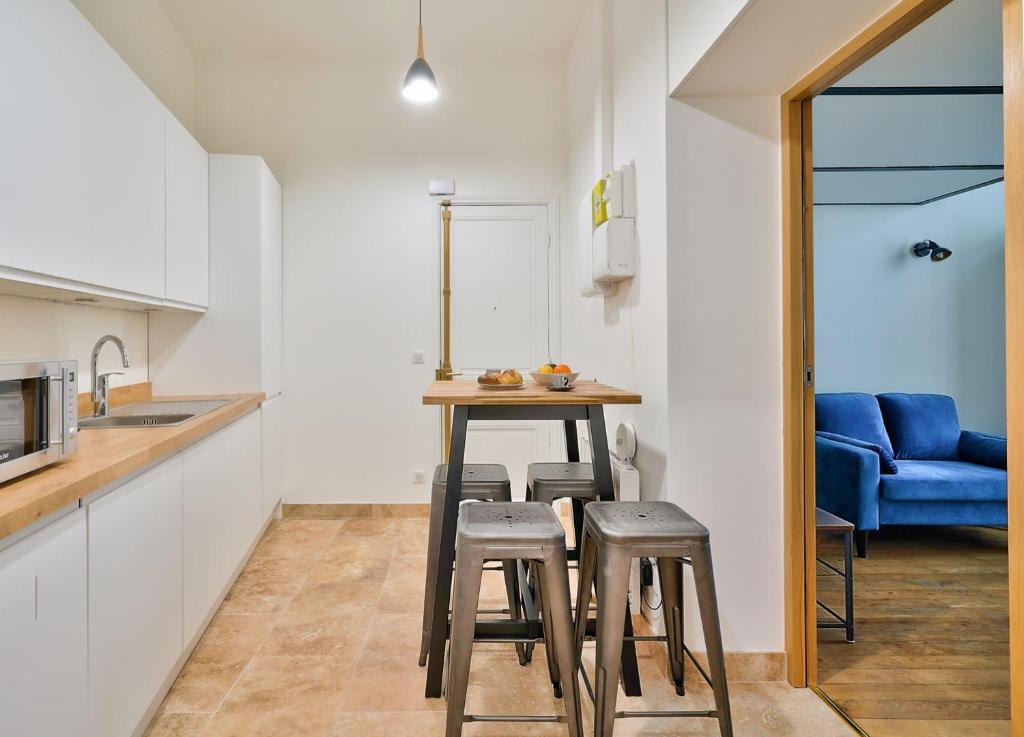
[983,449]
[847,481]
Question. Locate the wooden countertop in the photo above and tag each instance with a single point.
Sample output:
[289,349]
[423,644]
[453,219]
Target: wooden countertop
[104,456]
[467,391]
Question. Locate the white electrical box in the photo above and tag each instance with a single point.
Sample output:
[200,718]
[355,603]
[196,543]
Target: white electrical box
[614,242]
[620,193]
[588,287]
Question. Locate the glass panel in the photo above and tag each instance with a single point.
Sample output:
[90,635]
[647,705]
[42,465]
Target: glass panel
[22,418]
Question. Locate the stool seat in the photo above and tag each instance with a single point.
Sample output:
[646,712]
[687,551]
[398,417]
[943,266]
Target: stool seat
[642,523]
[479,480]
[549,481]
[515,523]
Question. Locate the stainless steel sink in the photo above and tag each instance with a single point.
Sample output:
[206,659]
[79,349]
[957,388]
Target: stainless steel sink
[161,413]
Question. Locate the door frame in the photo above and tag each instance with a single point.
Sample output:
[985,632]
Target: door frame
[798,328]
[551,202]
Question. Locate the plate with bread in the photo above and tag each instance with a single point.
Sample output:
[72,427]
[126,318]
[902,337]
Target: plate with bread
[500,380]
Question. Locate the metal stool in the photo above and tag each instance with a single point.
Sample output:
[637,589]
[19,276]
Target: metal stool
[546,482]
[613,534]
[515,531]
[480,482]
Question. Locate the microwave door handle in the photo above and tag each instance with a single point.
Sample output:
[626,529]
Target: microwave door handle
[60,419]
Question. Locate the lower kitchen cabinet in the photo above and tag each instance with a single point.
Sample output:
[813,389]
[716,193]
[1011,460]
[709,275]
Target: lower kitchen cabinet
[222,513]
[43,629]
[273,453]
[135,597]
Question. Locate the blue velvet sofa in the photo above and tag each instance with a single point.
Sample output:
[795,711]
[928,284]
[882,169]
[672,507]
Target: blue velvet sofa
[902,459]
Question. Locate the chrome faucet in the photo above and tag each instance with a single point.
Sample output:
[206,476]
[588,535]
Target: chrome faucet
[101,382]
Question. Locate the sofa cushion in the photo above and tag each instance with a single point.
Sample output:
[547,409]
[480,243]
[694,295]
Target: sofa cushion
[922,427]
[886,463]
[944,481]
[853,414]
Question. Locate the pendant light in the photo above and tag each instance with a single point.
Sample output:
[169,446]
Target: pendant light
[420,84]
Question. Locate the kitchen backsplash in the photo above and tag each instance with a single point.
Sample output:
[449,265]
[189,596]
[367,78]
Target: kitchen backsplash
[36,328]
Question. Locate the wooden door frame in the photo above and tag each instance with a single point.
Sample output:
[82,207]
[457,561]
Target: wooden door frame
[798,327]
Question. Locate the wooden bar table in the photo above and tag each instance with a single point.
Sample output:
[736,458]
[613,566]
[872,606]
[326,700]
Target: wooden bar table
[532,402]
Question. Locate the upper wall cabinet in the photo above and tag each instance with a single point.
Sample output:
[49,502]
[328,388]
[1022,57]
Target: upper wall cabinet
[236,346]
[188,217]
[82,146]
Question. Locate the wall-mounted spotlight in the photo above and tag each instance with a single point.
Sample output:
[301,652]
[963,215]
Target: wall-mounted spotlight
[931,248]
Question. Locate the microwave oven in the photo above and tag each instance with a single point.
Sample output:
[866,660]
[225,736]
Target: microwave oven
[38,415]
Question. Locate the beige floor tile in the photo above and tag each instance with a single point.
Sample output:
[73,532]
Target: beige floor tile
[298,538]
[402,590]
[306,630]
[390,724]
[266,585]
[283,697]
[177,725]
[218,660]
[388,679]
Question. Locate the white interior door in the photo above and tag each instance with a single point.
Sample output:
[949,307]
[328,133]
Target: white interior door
[501,318]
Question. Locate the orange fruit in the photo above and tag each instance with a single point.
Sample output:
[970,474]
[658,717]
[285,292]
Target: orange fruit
[562,369]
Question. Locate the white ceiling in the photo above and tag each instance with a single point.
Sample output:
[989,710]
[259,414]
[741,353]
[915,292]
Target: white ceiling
[350,30]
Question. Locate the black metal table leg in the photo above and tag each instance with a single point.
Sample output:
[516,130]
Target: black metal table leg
[848,581]
[572,454]
[601,460]
[446,553]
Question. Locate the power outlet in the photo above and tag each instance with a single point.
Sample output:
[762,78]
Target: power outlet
[419,477]
[417,356]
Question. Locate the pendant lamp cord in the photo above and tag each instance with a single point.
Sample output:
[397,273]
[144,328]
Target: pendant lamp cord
[421,12]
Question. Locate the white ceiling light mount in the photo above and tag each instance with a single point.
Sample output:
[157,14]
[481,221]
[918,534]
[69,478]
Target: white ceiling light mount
[420,83]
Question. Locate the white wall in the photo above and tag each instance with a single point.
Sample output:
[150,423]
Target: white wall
[725,350]
[694,26]
[620,339]
[361,247]
[888,321]
[38,328]
[141,32]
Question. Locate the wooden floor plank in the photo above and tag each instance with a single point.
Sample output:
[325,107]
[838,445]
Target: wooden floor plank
[932,650]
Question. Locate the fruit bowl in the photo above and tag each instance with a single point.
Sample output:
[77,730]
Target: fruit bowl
[545,379]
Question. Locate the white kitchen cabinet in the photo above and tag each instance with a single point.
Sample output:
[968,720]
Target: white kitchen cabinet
[43,629]
[188,221]
[273,454]
[135,597]
[82,146]
[236,345]
[222,514]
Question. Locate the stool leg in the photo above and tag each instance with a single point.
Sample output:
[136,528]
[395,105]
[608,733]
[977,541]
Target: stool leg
[526,655]
[584,587]
[704,578]
[544,601]
[670,576]
[515,609]
[466,594]
[433,542]
[559,636]
[612,589]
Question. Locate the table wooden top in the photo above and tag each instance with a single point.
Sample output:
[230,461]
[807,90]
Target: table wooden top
[468,392]
[828,522]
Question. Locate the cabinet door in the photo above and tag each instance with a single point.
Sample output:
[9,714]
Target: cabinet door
[134,597]
[188,217]
[270,282]
[273,454]
[43,627]
[82,146]
[222,514]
